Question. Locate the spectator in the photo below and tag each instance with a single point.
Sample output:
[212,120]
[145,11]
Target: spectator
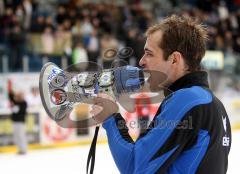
[16,44]
[7,22]
[62,40]
[76,32]
[20,15]
[109,48]
[86,27]
[2,7]
[61,14]
[219,42]
[228,41]
[236,45]
[72,15]
[49,23]
[79,55]
[131,42]
[47,39]
[67,25]
[223,11]
[38,25]
[27,6]
[222,17]
[93,46]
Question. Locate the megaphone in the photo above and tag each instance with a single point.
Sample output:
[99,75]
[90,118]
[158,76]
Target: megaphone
[60,90]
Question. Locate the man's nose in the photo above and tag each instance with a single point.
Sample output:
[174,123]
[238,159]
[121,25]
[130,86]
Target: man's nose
[142,62]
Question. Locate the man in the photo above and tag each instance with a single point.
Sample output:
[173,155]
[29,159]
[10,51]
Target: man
[198,139]
[19,108]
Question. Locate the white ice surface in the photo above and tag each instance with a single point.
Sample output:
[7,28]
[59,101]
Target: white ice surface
[73,160]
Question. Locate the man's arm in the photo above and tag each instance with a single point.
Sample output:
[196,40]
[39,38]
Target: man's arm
[120,143]
[163,144]
[11,97]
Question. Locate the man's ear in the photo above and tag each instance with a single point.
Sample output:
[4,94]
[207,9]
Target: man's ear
[174,60]
[176,57]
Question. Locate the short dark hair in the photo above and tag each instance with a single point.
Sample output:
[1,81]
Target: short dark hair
[182,34]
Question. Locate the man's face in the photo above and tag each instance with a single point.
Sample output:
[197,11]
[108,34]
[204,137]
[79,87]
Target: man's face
[19,96]
[154,63]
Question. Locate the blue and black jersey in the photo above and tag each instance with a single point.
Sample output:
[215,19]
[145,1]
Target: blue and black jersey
[189,134]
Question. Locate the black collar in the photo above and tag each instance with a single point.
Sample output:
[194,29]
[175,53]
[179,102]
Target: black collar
[197,78]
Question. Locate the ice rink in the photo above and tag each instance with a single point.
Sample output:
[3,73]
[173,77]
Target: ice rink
[73,160]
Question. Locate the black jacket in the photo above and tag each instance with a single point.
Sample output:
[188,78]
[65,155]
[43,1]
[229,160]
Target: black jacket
[19,109]
[190,133]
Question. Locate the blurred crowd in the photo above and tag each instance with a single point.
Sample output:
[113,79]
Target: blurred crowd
[83,31]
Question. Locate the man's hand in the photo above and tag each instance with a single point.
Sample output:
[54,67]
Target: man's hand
[104,106]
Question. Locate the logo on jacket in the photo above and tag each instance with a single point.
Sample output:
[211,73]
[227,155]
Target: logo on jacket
[224,123]
[226,139]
